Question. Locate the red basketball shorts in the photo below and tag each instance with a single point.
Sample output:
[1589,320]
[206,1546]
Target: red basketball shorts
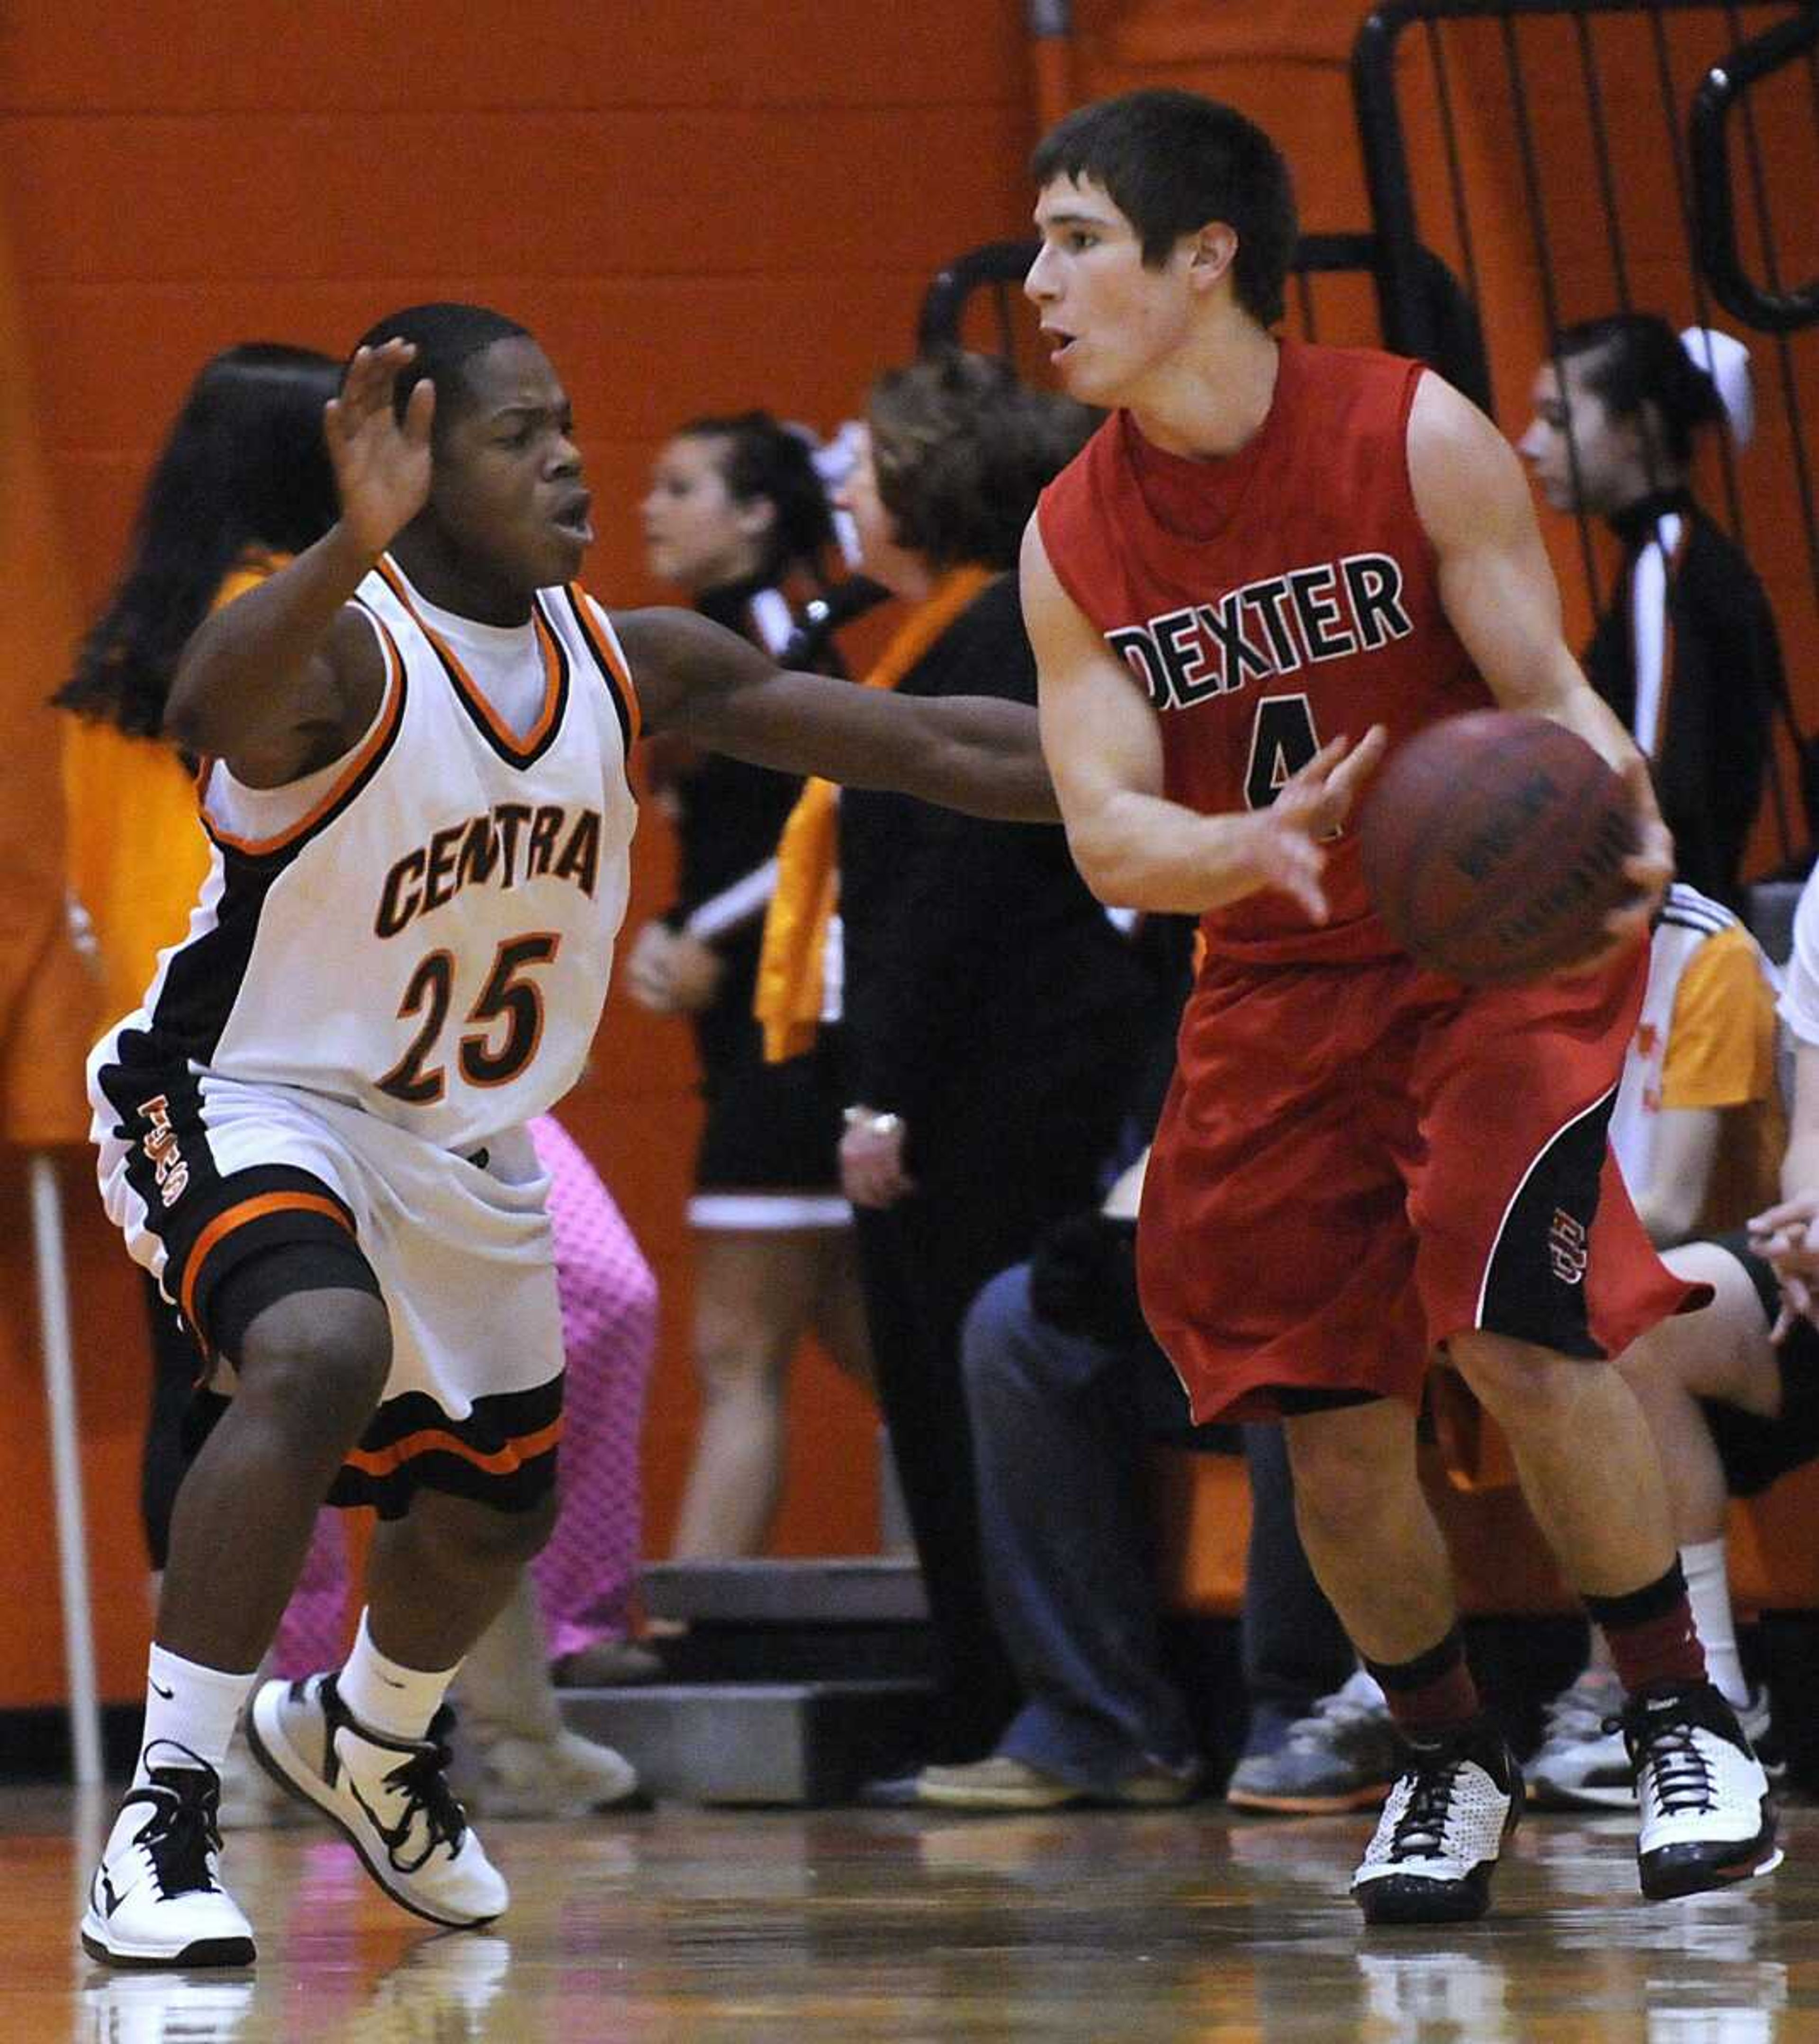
[1355,1162]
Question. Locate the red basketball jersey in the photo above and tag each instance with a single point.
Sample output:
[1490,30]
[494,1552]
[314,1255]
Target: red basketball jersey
[1267,603]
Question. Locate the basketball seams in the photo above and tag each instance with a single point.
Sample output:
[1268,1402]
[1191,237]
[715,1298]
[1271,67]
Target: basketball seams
[1450,798]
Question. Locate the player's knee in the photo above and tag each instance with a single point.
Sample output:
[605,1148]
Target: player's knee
[1345,1469]
[511,1537]
[321,1359]
[1522,1387]
[735,1359]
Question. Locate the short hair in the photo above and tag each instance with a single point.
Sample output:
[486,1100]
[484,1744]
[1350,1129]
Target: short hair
[1170,161]
[446,335]
[962,450]
[764,459]
[1638,360]
[244,467]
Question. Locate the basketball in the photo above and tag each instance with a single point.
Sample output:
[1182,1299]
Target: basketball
[1493,844]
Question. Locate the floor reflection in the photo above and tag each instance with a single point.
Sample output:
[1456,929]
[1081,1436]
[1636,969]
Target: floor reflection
[703,1927]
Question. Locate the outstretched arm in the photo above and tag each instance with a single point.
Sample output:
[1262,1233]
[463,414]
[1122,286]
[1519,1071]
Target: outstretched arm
[287,678]
[973,753]
[1135,848]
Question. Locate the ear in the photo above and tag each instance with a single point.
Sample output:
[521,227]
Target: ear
[1211,252]
[755,516]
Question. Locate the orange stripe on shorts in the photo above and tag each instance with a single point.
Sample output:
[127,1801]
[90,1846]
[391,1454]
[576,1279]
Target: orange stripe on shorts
[223,1225]
[436,1440]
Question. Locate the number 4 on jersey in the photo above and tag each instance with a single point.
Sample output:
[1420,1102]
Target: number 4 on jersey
[1282,741]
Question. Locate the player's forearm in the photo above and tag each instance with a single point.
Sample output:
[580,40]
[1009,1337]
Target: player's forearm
[1142,851]
[1560,691]
[976,754]
[246,663]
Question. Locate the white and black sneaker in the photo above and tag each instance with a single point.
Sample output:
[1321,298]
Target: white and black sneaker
[1707,1810]
[1455,1801]
[389,1798]
[156,1899]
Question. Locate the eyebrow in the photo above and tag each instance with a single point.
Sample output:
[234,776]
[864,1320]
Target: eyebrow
[529,410]
[1071,220]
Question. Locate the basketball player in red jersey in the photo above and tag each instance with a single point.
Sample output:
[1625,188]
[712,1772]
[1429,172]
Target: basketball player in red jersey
[1272,561]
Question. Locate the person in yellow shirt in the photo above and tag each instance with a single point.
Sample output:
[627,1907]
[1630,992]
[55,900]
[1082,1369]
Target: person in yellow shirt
[243,482]
[1699,1128]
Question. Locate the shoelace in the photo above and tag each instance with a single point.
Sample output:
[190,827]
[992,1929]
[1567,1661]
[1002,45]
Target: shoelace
[179,1835]
[1668,1749]
[1421,1830]
[422,1780]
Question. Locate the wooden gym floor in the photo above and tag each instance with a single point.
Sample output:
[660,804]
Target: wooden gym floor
[694,1926]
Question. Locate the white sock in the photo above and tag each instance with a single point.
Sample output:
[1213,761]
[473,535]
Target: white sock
[189,1705]
[397,1700]
[1709,1592]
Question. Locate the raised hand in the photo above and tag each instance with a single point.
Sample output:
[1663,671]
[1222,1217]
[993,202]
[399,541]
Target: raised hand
[1312,808]
[382,467]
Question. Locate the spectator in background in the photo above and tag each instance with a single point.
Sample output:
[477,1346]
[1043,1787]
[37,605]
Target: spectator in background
[1698,1129]
[738,518]
[243,483]
[986,1041]
[1687,654]
[1066,1392]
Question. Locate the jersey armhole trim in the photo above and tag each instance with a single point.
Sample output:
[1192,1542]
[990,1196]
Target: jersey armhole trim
[604,645]
[359,768]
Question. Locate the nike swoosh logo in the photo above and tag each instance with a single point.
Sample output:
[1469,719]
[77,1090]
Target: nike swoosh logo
[110,1901]
[390,1684]
[158,1689]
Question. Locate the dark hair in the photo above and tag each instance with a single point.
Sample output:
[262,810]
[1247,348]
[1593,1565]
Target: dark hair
[1639,360]
[445,335]
[244,467]
[1170,161]
[962,451]
[764,460]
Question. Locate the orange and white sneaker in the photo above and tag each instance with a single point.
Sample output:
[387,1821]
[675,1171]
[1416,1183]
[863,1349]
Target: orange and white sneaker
[157,1900]
[389,1798]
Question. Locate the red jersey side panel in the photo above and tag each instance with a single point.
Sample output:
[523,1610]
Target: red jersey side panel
[1267,603]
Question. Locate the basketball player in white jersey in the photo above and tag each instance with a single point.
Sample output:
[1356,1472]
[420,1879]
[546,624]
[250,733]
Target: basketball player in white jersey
[414,740]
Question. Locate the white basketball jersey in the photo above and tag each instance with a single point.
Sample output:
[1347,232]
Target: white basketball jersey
[426,931]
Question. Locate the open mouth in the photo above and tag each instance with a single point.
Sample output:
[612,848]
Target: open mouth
[1059,342]
[573,518]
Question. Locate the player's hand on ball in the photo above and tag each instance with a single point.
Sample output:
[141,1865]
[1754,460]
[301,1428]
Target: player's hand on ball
[1647,871]
[1313,807]
[1650,867]
[382,467]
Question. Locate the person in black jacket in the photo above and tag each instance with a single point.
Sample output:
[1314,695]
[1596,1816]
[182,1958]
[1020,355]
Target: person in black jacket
[988,998]
[737,515]
[1686,654]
